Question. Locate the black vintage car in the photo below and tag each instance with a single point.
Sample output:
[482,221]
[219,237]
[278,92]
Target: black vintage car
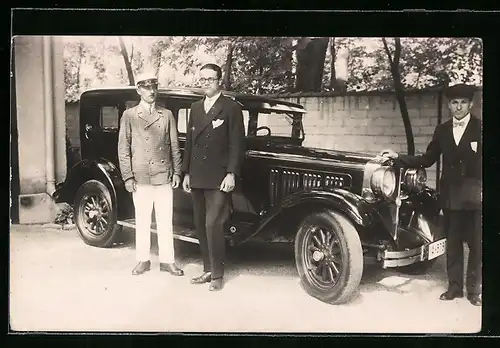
[339,210]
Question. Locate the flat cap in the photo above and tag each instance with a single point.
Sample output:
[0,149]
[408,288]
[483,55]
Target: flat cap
[460,91]
[146,79]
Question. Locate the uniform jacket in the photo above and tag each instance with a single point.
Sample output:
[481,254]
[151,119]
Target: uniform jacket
[461,179]
[148,147]
[215,143]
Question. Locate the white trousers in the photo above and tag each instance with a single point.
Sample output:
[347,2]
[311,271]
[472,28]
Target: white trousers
[161,197]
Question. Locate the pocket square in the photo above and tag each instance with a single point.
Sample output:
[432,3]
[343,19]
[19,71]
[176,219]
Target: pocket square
[217,123]
[473,146]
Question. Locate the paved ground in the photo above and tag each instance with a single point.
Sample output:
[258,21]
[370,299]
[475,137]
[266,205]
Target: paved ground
[59,283]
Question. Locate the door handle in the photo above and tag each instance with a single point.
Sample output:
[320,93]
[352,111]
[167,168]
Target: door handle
[88,130]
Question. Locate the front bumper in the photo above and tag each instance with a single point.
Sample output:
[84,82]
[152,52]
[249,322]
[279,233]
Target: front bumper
[426,252]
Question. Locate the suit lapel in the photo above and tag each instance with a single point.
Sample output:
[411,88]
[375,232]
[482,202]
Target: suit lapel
[469,130]
[202,119]
[148,120]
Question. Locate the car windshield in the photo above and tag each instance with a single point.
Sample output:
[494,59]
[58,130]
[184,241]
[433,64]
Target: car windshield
[278,124]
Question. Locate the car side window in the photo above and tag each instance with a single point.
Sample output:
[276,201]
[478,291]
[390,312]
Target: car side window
[182,120]
[246,118]
[109,117]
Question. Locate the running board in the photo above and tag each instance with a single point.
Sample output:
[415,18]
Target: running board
[180,233]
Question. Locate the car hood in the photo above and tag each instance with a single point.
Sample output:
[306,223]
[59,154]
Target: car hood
[324,155]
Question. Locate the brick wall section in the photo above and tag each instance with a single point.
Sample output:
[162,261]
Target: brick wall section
[368,122]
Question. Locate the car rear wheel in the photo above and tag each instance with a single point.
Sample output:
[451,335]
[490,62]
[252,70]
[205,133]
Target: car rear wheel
[329,257]
[95,215]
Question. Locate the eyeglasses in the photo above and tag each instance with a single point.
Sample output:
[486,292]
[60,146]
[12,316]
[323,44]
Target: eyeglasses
[210,79]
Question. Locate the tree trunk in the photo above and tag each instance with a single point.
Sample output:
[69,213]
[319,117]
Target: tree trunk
[226,82]
[128,66]
[400,92]
[79,66]
[287,58]
[311,54]
[333,75]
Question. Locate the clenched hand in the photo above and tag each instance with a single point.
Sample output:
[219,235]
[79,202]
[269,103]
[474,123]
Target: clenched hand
[228,183]
[176,181]
[186,183]
[130,185]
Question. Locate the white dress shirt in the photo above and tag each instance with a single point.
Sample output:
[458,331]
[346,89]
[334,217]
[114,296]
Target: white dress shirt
[210,101]
[458,131]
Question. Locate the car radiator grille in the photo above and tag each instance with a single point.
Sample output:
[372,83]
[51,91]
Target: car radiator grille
[284,182]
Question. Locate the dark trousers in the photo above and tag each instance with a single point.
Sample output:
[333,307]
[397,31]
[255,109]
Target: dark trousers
[211,212]
[464,226]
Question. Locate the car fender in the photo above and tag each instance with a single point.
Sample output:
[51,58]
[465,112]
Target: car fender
[96,169]
[353,207]
[426,204]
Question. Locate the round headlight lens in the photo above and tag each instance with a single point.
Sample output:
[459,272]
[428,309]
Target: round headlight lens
[416,179]
[383,181]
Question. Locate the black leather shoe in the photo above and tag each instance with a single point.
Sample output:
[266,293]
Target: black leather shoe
[475,300]
[171,268]
[141,267]
[204,278]
[450,295]
[216,284]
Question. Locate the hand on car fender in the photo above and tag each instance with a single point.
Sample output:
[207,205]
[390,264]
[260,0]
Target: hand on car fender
[130,185]
[176,181]
[388,153]
[186,184]
[227,184]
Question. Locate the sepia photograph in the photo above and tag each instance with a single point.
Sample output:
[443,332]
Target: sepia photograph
[246,184]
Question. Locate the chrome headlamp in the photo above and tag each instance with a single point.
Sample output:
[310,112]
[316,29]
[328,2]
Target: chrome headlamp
[415,179]
[383,181]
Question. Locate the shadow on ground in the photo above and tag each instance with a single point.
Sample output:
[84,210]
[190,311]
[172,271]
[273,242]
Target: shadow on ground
[277,260]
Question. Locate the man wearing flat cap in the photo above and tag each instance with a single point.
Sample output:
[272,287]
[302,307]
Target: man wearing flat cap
[459,142]
[150,164]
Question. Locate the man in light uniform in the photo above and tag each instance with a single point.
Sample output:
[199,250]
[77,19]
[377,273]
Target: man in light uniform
[150,164]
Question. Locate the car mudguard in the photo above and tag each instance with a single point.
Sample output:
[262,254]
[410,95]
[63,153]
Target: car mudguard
[96,169]
[296,206]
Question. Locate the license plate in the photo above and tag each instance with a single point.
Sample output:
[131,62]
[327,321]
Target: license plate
[437,249]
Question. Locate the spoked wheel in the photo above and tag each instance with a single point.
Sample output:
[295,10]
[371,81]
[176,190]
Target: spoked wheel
[95,215]
[329,257]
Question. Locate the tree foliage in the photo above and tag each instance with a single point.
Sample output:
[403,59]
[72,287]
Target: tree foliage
[268,65]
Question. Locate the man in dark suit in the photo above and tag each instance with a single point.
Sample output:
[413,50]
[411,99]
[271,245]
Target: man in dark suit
[459,141]
[212,159]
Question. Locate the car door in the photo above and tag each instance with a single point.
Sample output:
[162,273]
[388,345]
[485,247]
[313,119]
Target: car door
[100,130]
[183,205]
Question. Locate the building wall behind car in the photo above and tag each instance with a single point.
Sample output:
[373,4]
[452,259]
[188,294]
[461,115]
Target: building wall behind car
[35,203]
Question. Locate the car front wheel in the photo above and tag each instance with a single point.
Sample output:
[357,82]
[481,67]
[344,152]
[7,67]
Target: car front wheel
[95,215]
[329,257]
